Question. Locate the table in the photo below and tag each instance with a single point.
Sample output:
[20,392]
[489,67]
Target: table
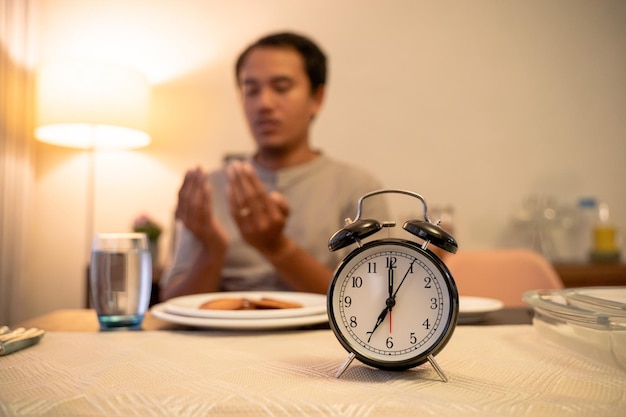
[86,320]
[591,274]
[505,370]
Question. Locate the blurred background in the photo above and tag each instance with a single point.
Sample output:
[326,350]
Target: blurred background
[493,111]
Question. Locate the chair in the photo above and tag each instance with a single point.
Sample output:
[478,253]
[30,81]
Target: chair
[503,274]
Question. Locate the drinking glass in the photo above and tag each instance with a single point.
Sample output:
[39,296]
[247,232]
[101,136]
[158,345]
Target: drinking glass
[121,279]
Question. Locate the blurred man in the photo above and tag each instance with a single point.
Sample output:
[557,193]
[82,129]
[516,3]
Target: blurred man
[264,223]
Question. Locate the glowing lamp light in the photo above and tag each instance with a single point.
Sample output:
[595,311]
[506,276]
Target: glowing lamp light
[92,106]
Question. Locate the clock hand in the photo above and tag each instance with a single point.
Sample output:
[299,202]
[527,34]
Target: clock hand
[403,278]
[381,318]
[391,300]
[391,297]
[390,280]
[389,303]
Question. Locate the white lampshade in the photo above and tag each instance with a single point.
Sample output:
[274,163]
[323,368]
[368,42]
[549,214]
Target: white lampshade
[92,106]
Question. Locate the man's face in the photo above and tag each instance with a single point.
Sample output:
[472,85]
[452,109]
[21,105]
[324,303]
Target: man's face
[277,98]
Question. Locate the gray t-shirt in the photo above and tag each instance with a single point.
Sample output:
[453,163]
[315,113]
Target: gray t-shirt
[321,194]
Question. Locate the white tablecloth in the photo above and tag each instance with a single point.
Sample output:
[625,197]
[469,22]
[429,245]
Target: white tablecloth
[493,371]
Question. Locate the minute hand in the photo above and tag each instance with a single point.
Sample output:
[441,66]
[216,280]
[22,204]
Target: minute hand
[390,281]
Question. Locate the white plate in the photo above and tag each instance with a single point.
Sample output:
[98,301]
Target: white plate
[188,305]
[474,309]
[241,324]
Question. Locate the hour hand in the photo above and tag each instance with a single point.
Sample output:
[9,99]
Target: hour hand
[381,318]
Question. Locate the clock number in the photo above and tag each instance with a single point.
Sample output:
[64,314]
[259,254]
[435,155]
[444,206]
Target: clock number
[428,281]
[433,304]
[357,282]
[347,301]
[426,325]
[391,262]
[371,267]
[389,342]
[353,323]
[412,338]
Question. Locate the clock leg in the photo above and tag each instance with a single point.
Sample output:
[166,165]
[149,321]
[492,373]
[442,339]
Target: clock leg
[345,365]
[435,365]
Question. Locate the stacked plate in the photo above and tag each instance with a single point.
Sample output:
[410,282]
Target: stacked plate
[186,310]
[590,321]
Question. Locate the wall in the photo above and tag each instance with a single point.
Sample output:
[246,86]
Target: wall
[478,105]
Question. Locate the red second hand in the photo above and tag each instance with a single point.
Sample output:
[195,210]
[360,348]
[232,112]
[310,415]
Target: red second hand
[389,321]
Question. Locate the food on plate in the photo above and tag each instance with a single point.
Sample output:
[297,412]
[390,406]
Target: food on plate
[264,303]
[269,303]
[224,304]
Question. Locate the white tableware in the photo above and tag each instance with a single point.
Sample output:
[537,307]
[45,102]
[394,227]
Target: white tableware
[474,309]
[610,300]
[20,338]
[189,305]
[120,279]
[160,312]
[590,321]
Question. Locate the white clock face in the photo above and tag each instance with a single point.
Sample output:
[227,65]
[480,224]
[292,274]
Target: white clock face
[393,304]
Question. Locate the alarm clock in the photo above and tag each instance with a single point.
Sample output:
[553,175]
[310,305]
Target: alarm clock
[392,302]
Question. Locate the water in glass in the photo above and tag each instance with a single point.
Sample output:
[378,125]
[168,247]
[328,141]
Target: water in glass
[121,279]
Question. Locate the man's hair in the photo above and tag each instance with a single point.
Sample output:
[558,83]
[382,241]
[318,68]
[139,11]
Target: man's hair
[313,57]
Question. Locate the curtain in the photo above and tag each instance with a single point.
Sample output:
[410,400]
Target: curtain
[16,150]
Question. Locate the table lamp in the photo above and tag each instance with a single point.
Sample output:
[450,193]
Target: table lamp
[92,105]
